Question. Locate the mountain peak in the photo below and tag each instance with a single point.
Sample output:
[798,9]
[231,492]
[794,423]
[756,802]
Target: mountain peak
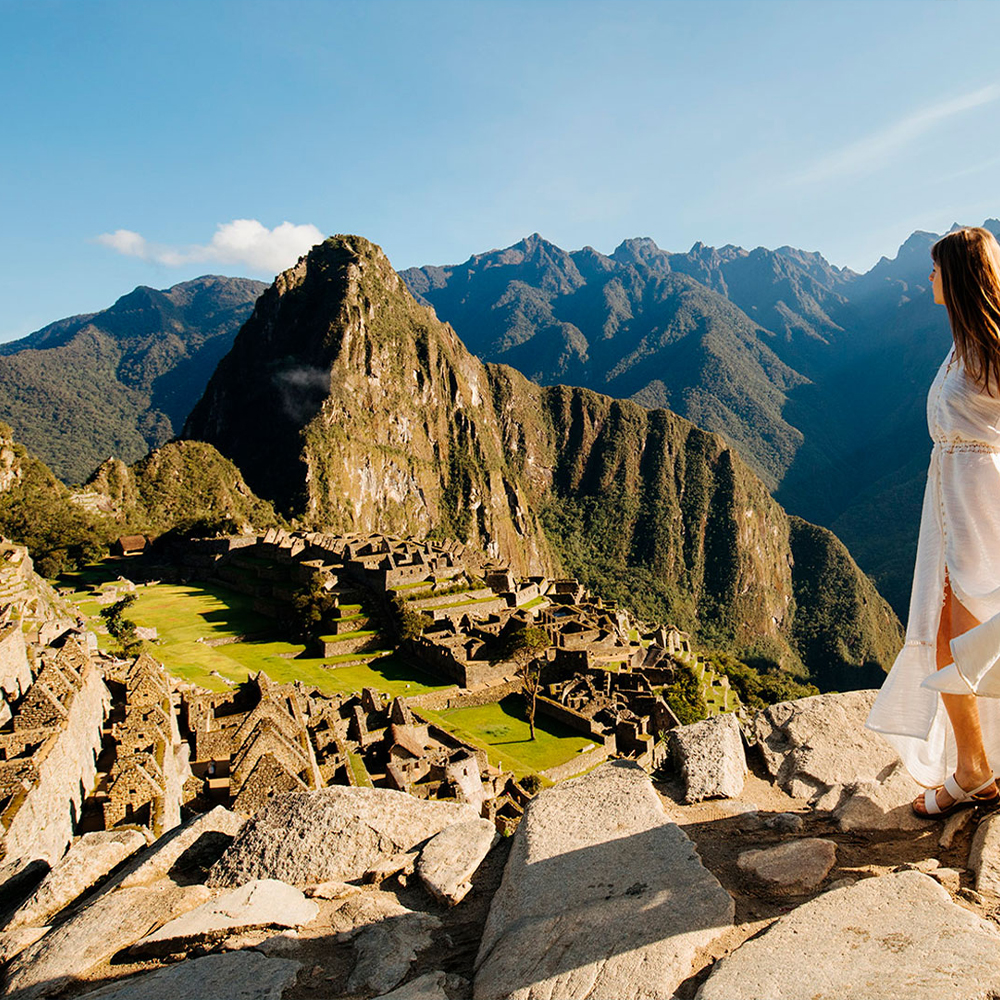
[639,250]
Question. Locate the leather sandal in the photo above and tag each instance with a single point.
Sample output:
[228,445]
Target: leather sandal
[962,799]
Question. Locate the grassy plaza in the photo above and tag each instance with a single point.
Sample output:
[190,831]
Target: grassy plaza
[185,615]
[502,730]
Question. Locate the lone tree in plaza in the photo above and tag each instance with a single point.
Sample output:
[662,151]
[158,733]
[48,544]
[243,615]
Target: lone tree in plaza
[122,628]
[524,645]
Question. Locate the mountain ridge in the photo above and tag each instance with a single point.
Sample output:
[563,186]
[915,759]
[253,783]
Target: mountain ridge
[399,424]
[122,380]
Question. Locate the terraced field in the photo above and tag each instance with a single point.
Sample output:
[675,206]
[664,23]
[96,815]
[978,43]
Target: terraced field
[186,615]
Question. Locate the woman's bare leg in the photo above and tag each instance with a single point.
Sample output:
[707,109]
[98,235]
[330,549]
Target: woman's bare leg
[973,766]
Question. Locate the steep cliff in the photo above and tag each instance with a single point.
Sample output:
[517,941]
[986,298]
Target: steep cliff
[352,407]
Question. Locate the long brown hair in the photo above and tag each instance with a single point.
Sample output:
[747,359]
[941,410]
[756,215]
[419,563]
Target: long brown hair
[969,262]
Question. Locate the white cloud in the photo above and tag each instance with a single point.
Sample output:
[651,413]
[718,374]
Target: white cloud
[242,241]
[875,150]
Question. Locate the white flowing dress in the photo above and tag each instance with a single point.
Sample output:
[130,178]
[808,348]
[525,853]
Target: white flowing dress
[960,536]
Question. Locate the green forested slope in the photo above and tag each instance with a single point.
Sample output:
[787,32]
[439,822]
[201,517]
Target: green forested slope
[353,408]
[121,381]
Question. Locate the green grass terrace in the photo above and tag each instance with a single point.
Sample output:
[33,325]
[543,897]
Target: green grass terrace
[185,615]
[502,730]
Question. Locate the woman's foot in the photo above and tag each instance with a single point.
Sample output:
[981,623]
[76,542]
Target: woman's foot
[958,792]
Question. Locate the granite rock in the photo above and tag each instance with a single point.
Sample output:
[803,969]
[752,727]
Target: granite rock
[710,757]
[796,867]
[185,852]
[385,950]
[86,862]
[984,855]
[336,833]
[450,859]
[247,975]
[259,903]
[954,825]
[897,937]
[602,896]
[430,986]
[811,744]
[111,922]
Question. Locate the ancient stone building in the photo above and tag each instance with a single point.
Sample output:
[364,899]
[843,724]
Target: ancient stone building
[260,736]
[48,753]
[150,778]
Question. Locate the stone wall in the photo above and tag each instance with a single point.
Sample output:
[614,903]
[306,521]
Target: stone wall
[15,672]
[573,719]
[43,825]
[484,696]
[436,701]
[176,771]
[579,764]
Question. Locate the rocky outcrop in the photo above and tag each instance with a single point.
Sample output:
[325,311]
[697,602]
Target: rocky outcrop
[245,974]
[335,833]
[258,903]
[185,850]
[710,758]
[86,862]
[110,923]
[451,857]
[602,897]
[895,936]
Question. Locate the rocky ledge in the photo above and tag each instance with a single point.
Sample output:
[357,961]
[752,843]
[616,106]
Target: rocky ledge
[785,866]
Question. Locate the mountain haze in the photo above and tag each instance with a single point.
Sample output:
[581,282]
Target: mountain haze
[352,407]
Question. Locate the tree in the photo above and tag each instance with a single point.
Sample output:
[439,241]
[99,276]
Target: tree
[409,623]
[312,608]
[524,645]
[685,696]
[122,628]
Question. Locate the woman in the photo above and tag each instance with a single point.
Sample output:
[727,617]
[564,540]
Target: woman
[938,706]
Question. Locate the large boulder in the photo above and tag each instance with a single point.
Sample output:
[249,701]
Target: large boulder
[602,896]
[879,804]
[244,974]
[898,937]
[186,852]
[386,937]
[113,921]
[793,868]
[450,859]
[710,757]
[385,950]
[87,861]
[818,749]
[813,743]
[260,903]
[335,833]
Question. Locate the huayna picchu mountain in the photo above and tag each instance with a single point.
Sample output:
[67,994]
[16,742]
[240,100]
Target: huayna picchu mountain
[351,407]
[121,381]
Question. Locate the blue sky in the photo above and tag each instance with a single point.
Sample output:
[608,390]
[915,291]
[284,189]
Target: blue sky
[137,134]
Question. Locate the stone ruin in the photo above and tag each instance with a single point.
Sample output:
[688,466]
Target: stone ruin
[257,737]
[150,778]
[55,707]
